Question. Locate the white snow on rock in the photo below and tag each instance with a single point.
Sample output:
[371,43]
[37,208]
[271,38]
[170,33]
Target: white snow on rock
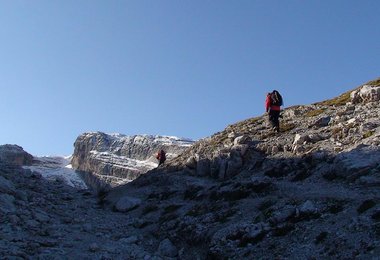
[162,139]
[57,168]
[122,161]
[116,158]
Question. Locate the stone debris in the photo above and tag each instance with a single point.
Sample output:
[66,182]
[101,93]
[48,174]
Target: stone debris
[308,192]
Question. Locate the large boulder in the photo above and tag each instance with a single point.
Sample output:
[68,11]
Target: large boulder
[127,203]
[366,93]
[358,162]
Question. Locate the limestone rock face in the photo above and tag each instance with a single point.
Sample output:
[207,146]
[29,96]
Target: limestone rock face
[116,158]
[14,154]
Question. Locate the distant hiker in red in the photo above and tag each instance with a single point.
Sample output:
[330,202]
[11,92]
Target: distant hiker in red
[273,105]
[161,157]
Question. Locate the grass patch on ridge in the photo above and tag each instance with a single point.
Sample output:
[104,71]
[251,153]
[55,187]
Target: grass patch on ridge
[339,101]
[314,112]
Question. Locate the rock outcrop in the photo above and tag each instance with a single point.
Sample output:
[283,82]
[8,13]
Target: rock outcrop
[309,192]
[15,155]
[116,158]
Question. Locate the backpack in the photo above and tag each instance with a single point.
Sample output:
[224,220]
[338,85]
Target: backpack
[161,156]
[276,98]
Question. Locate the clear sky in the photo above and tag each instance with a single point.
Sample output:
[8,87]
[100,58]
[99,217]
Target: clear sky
[184,68]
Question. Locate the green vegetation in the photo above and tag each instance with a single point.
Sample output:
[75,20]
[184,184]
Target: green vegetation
[339,101]
[285,127]
[345,97]
[368,134]
[268,134]
[375,82]
[314,112]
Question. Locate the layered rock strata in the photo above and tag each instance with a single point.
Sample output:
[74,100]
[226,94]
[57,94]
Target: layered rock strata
[116,158]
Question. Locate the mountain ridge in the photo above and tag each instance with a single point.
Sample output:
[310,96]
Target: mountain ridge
[310,191]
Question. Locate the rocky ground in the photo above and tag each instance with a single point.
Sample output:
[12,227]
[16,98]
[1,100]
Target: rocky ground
[254,216]
[41,219]
[309,192]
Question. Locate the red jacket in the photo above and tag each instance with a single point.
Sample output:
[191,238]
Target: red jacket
[268,105]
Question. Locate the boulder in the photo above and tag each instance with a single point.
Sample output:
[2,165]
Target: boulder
[203,167]
[127,203]
[323,121]
[300,139]
[167,249]
[191,162]
[241,148]
[222,169]
[234,166]
[366,93]
[307,208]
[243,139]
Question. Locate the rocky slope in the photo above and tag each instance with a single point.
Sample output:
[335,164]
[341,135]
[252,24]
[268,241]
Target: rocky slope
[45,219]
[42,217]
[309,192]
[116,158]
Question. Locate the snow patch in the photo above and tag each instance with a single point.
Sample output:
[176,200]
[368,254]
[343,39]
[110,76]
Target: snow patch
[57,168]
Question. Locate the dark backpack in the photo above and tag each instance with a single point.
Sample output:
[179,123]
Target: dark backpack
[162,155]
[276,98]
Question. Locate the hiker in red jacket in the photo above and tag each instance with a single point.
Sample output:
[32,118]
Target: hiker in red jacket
[273,105]
[161,157]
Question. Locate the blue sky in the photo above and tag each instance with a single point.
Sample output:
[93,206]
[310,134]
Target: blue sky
[170,67]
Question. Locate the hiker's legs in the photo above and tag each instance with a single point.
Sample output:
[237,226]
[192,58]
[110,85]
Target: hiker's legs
[276,122]
[274,119]
[270,119]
